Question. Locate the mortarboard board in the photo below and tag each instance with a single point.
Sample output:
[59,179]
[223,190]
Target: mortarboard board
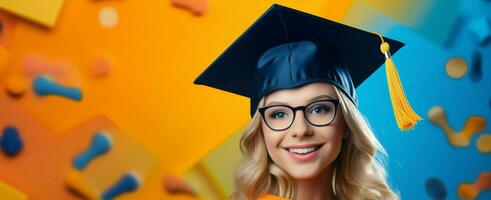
[287,48]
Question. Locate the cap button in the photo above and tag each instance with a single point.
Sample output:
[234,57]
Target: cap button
[384,47]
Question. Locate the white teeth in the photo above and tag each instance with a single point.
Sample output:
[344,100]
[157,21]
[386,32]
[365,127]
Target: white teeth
[303,150]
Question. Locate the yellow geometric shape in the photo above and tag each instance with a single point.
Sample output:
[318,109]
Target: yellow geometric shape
[473,125]
[456,67]
[77,182]
[44,12]
[484,143]
[10,193]
[203,184]
[213,176]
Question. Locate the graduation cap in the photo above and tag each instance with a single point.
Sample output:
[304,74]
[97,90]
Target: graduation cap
[287,48]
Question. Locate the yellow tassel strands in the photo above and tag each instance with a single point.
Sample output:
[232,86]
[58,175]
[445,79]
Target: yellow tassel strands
[405,116]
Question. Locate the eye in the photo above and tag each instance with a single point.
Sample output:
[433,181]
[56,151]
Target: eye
[278,115]
[320,109]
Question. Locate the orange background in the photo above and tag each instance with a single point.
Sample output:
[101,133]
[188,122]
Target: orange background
[156,51]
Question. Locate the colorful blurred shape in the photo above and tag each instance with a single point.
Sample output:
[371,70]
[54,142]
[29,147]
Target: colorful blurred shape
[124,156]
[10,193]
[456,67]
[11,141]
[468,191]
[484,143]
[108,17]
[473,125]
[476,70]
[481,30]
[435,189]
[34,65]
[44,86]
[15,86]
[49,156]
[44,156]
[44,12]
[100,67]
[213,176]
[425,16]
[197,7]
[128,183]
[100,144]
[75,179]
[177,185]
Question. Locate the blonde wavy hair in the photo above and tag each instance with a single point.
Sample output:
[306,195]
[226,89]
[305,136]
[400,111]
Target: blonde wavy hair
[358,172]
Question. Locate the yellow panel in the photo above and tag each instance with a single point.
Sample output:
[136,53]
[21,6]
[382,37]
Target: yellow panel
[44,12]
[10,193]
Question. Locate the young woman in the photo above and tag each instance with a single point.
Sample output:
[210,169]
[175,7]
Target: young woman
[307,138]
[324,151]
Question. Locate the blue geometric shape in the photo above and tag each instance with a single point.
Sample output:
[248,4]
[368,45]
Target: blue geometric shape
[481,29]
[100,144]
[43,86]
[11,142]
[475,73]
[435,189]
[128,183]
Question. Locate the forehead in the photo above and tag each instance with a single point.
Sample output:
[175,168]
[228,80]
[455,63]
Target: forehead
[301,95]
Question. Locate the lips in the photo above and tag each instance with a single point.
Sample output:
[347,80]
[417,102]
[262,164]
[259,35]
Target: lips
[303,152]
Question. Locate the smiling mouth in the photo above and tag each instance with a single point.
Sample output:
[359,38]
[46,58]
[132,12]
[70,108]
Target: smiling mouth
[304,151]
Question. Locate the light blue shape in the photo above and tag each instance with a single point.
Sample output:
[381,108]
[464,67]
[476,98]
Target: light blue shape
[43,86]
[100,144]
[128,183]
[481,29]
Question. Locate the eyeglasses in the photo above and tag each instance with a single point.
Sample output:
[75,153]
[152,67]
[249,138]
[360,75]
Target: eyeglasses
[317,113]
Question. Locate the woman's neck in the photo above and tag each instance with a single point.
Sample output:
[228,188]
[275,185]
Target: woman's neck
[317,188]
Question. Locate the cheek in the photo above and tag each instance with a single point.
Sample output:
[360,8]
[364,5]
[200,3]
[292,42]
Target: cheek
[333,137]
[272,139]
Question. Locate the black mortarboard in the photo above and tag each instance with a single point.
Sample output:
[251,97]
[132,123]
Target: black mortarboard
[287,48]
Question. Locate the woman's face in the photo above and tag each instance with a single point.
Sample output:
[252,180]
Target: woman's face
[304,150]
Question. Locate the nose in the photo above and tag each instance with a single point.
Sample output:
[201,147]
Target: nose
[300,127]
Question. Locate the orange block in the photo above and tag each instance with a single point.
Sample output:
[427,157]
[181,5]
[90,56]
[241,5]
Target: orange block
[8,22]
[39,169]
[124,156]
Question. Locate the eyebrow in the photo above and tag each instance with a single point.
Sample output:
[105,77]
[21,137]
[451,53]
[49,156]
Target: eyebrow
[324,96]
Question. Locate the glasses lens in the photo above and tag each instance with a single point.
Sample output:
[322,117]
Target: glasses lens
[278,117]
[320,113]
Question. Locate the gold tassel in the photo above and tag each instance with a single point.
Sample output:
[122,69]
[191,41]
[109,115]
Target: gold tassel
[405,116]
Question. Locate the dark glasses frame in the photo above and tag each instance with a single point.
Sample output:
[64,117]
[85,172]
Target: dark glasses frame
[262,110]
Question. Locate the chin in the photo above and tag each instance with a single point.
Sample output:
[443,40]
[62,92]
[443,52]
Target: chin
[303,172]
